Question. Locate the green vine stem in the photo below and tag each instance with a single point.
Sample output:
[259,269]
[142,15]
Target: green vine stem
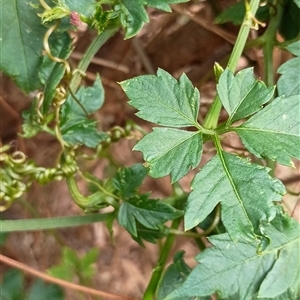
[157,271]
[89,55]
[211,119]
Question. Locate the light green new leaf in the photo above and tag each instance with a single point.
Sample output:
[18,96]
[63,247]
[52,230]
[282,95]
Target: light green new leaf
[246,193]
[171,151]
[289,81]
[274,132]
[297,3]
[236,271]
[127,180]
[21,43]
[150,213]
[164,100]
[163,4]
[242,94]
[75,126]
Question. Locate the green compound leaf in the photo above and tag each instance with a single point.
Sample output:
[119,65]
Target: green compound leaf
[21,43]
[289,81]
[76,128]
[274,132]
[237,271]
[246,193]
[164,100]
[163,4]
[127,180]
[150,213]
[171,151]
[242,94]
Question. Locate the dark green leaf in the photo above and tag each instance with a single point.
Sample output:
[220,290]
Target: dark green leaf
[133,17]
[50,72]
[127,180]
[242,95]
[75,127]
[274,132]
[150,213]
[164,100]
[21,43]
[171,151]
[173,277]
[11,287]
[289,26]
[237,271]
[41,290]
[289,81]
[246,193]
[163,4]
[149,235]
[235,14]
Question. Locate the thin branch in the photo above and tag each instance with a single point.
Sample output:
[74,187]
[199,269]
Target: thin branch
[60,282]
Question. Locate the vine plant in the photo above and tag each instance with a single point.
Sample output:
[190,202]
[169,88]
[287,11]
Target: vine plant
[255,250]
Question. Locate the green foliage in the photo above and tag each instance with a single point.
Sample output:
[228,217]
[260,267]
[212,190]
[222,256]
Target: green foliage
[149,213]
[288,83]
[237,185]
[228,263]
[72,265]
[173,277]
[277,139]
[12,288]
[170,103]
[242,95]
[128,180]
[76,128]
[186,146]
